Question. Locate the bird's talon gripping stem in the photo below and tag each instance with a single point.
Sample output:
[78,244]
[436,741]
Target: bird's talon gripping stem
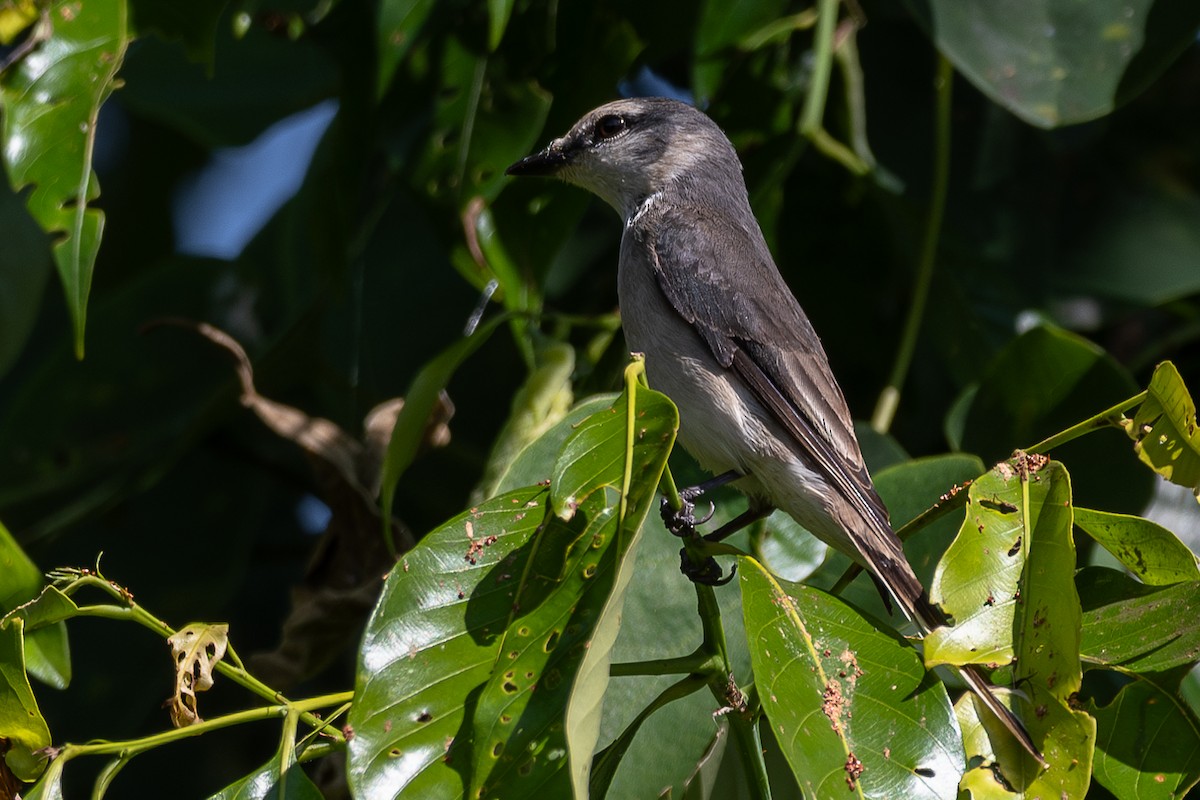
[707,572]
[681,521]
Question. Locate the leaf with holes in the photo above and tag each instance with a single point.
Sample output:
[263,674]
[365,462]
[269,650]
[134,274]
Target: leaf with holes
[1164,429]
[851,706]
[1007,582]
[50,102]
[1145,548]
[1137,628]
[483,666]
[196,648]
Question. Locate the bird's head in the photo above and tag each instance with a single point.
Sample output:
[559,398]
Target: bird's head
[627,150]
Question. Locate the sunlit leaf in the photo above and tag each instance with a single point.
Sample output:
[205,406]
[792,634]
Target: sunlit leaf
[1146,548]
[47,654]
[851,707]
[1164,429]
[486,659]
[51,100]
[1007,581]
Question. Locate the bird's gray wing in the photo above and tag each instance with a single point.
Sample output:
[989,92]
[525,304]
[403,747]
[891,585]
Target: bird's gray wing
[717,273]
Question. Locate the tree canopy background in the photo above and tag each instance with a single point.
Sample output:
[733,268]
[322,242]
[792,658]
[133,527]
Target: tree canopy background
[1066,267]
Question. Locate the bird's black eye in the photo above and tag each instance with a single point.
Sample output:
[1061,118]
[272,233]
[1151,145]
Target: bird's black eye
[609,126]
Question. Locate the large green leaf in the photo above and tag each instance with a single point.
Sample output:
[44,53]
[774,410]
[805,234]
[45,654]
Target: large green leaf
[1146,548]
[1164,429]
[1059,62]
[50,103]
[850,706]
[505,599]
[1007,582]
[1147,745]
[1137,628]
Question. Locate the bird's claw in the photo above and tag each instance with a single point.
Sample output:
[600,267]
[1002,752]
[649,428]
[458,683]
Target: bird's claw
[707,572]
[681,521]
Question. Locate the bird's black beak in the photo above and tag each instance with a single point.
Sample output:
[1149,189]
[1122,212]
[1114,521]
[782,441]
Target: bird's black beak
[547,162]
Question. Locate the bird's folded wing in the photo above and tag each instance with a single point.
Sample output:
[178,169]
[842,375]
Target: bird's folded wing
[719,276]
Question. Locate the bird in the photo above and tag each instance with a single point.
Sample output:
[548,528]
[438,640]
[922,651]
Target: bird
[724,337]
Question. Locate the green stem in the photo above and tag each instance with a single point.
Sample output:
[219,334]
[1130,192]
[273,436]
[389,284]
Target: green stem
[698,663]
[746,734]
[814,103]
[1110,417]
[132,611]
[889,398]
[131,747]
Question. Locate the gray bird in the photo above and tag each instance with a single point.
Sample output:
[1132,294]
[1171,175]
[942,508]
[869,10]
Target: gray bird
[725,339]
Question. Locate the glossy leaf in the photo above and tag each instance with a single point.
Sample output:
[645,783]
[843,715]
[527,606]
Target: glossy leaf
[850,706]
[485,661]
[20,720]
[1146,548]
[272,782]
[1147,744]
[51,100]
[1060,62]
[1164,429]
[1137,628]
[1007,582]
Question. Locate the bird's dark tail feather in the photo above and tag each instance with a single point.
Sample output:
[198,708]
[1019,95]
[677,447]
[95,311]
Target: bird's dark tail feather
[927,616]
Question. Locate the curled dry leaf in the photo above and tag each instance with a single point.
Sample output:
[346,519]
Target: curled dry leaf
[197,649]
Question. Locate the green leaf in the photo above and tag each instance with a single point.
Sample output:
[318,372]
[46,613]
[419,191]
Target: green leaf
[1164,429]
[1137,628]
[1146,548]
[498,13]
[399,24]
[1044,382]
[1007,582]
[47,654]
[536,461]
[272,782]
[506,598]
[50,101]
[1060,62]
[419,401]
[50,786]
[850,706]
[20,720]
[1147,745]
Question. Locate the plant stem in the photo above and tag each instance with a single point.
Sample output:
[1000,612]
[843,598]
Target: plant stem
[132,747]
[818,91]
[698,663]
[130,610]
[1110,417]
[889,398]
